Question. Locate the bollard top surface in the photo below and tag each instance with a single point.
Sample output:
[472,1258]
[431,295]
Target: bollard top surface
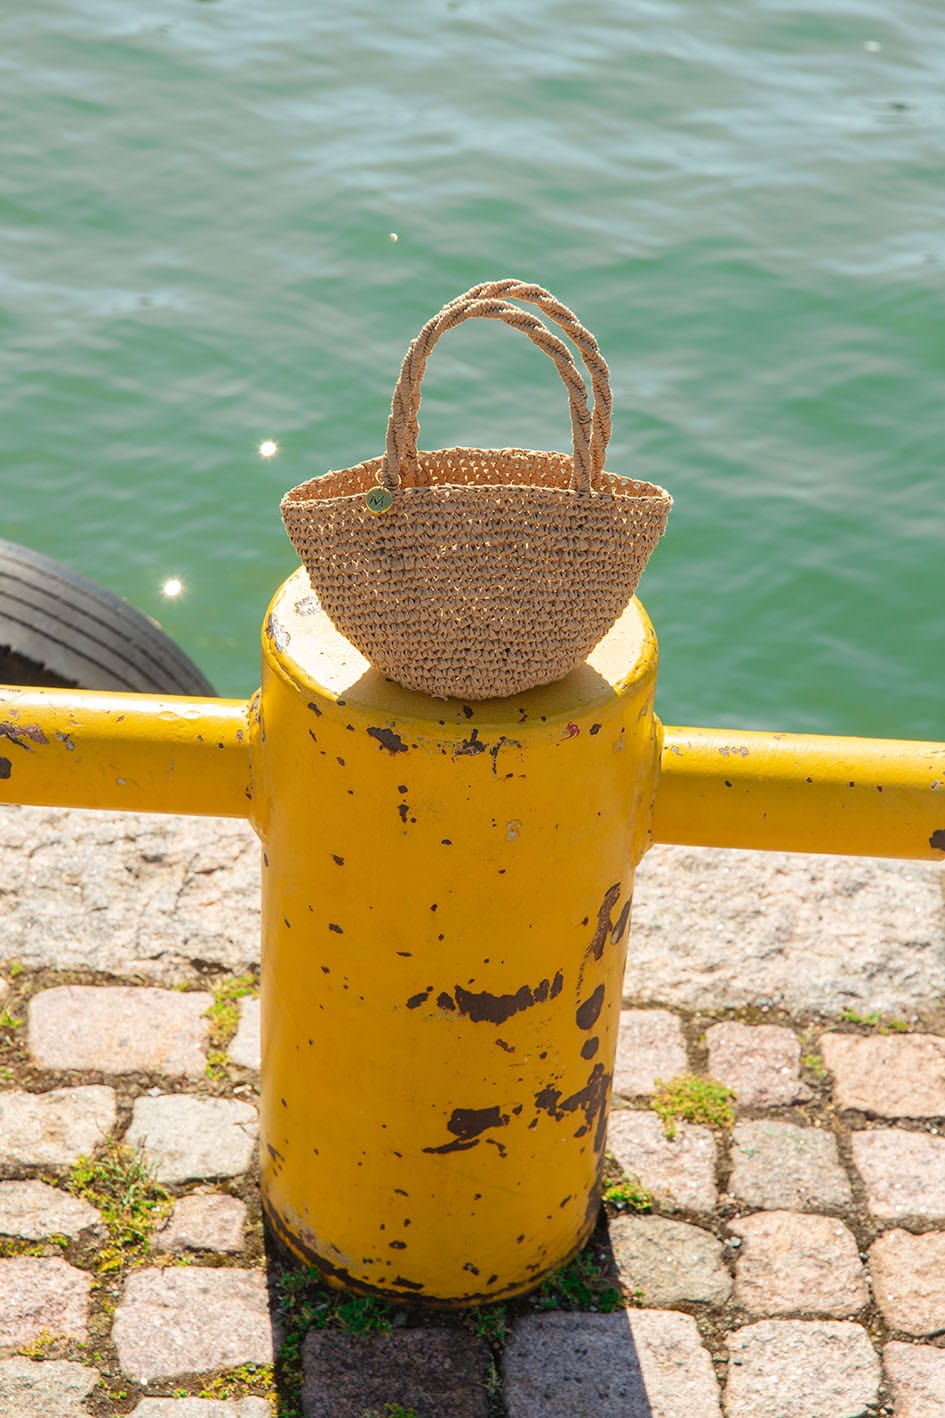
[301,644]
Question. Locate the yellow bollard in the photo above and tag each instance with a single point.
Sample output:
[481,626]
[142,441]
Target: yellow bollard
[446,898]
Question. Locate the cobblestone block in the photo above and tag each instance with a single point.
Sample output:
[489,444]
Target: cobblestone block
[780,1167]
[903,1173]
[716,927]
[53,1129]
[908,1274]
[191,1320]
[801,1369]
[437,1373]
[650,1046]
[916,1373]
[37,1293]
[189,1138]
[668,1262]
[760,1062]
[791,1263]
[120,1029]
[129,893]
[245,1047]
[51,1389]
[892,1076]
[202,1408]
[635,1364]
[679,1171]
[32,1210]
[204,1223]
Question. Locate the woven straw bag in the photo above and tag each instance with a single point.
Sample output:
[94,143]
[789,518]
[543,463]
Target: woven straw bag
[480,572]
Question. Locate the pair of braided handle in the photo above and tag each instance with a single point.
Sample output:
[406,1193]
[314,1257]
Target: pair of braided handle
[590,435]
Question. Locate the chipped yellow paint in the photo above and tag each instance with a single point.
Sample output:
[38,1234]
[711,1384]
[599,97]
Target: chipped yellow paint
[802,793]
[125,752]
[446,928]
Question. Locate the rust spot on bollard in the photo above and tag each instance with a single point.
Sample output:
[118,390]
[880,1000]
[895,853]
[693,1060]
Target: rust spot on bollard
[937,839]
[17,733]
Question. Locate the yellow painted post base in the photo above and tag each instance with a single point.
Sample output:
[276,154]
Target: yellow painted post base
[446,898]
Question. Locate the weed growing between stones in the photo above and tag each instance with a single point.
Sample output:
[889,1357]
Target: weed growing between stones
[240,1383]
[491,1323]
[874,1020]
[585,1283]
[40,1346]
[116,1180]
[814,1065]
[304,1304]
[693,1098]
[392,1410]
[224,1017]
[628,1194]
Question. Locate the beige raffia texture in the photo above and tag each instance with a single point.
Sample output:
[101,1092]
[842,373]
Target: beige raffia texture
[493,570]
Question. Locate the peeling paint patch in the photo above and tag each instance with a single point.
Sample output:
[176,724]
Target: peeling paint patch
[621,923]
[277,633]
[496,1009]
[415,1001]
[472,745]
[598,939]
[937,839]
[591,1100]
[17,733]
[587,1012]
[386,738]
[6,767]
[467,1126]
[494,750]
[65,739]
[314,708]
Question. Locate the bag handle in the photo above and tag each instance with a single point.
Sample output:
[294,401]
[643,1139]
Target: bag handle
[400,457]
[594,362]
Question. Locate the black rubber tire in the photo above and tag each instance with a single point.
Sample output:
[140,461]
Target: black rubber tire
[59,629]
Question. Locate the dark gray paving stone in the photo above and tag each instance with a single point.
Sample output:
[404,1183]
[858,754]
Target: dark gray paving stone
[635,1364]
[439,1373]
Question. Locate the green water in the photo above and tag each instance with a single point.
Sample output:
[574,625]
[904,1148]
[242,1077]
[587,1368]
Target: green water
[744,201]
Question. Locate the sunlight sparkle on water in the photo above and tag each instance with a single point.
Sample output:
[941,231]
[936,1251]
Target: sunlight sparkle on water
[172,587]
[268,448]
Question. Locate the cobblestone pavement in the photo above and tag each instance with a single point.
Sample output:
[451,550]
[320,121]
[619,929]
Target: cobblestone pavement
[786,1263]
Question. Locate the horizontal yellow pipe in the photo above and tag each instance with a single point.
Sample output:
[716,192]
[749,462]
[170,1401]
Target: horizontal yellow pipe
[802,793]
[130,752]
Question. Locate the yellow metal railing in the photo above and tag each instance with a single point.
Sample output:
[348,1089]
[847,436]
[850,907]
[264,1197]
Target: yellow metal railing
[717,787]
